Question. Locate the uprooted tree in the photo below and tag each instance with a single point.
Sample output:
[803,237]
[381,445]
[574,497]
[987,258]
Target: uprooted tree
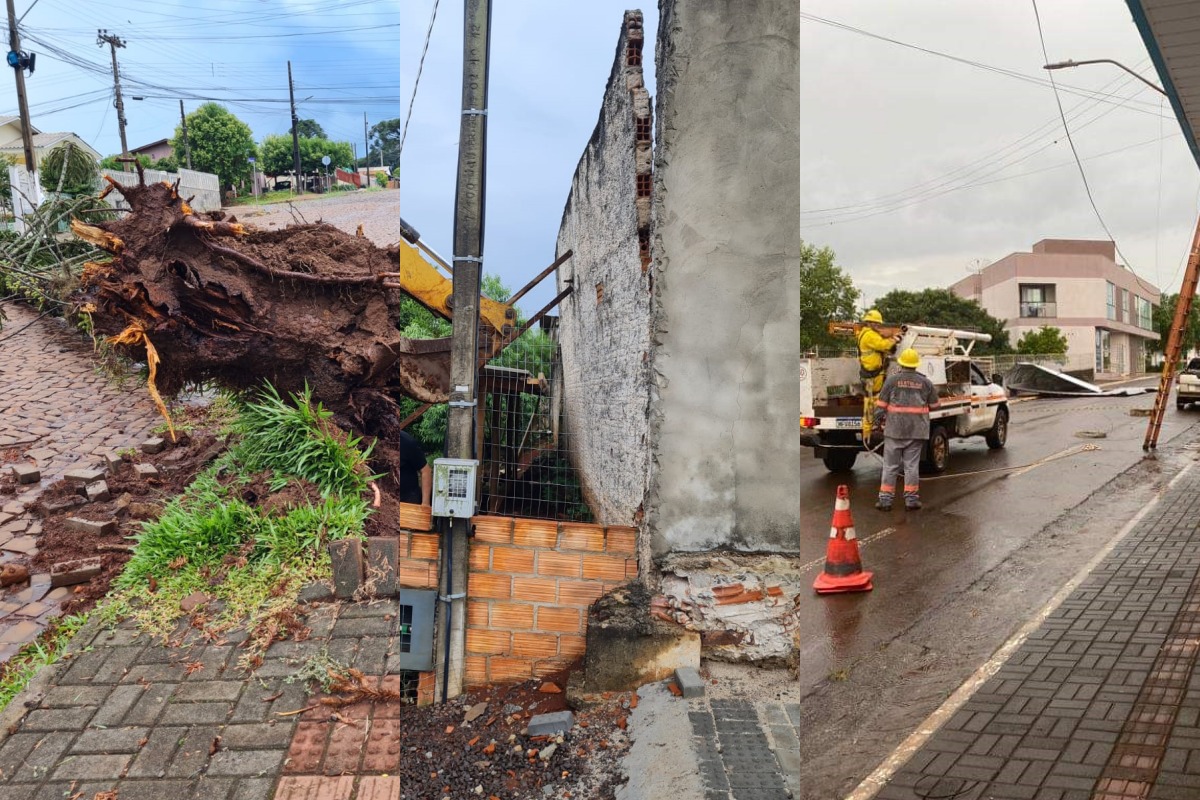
[202,298]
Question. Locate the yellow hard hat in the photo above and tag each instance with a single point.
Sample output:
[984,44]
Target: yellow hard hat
[873,316]
[910,359]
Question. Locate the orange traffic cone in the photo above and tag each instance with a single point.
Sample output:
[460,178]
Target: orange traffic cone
[843,567]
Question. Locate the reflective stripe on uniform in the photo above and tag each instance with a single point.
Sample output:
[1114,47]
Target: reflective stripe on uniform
[908,409]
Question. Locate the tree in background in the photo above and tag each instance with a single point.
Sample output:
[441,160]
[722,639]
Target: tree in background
[826,294]
[277,158]
[309,129]
[1164,317]
[1046,341]
[70,170]
[168,164]
[942,308]
[220,143]
[385,136]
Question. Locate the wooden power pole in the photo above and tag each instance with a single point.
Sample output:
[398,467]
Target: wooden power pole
[295,131]
[367,149]
[1183,307]
[113,41]
[464,344]
[14,45]
[187,145]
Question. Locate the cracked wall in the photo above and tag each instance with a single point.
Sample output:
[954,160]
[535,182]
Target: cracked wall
[605,323]
[724,435]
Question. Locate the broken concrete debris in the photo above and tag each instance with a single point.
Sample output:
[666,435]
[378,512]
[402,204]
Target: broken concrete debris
[105,527]
[69,573]
[83,474]
[26,473]
[689,681]
[550,724]
[154,445]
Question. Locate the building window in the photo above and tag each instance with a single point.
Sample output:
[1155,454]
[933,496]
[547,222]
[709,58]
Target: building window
[1103,355]
[1143,313]
[1112,302]
[1038,300]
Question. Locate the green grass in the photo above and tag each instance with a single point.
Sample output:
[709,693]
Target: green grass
[282,196]
[209,539]
[42,651]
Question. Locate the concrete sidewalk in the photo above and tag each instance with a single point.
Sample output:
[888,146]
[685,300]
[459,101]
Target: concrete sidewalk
[1099,702]
[149,720]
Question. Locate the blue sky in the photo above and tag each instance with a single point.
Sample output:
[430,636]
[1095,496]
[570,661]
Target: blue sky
[343,53]
[549,65]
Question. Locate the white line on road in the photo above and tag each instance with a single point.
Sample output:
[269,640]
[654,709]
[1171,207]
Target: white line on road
[871,785]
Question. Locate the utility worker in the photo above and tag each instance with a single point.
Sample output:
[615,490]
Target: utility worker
[873,349]
[902,410]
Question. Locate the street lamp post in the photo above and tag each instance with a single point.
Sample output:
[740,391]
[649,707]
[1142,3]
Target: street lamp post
[1068,63]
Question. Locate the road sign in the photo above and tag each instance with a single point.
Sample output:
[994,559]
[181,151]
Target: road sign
[325,160]
[250,160]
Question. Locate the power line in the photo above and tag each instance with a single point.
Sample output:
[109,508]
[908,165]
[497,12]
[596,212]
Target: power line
[417,81]
[1082,174]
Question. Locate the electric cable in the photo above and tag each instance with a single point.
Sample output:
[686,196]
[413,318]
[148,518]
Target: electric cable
[417,81]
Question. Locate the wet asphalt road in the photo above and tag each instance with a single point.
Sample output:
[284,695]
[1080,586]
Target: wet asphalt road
[955,580]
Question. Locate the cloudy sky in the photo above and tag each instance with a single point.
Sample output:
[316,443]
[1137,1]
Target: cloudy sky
[915,167]
[343,55]
[550,61]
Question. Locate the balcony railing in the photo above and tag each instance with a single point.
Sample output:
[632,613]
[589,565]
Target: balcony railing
[1039,309]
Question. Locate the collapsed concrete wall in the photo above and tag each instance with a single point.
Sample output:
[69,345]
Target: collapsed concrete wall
[724,434]
[605,322]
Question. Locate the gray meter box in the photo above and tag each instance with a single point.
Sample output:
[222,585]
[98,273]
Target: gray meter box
[416,629]
[454,487]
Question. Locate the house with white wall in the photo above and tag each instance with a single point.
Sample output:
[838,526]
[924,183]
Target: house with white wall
[1076,285]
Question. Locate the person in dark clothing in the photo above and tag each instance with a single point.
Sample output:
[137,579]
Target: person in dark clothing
[903,410]
[415,475]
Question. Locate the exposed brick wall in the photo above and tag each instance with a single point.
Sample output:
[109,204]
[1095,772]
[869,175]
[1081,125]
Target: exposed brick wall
[530,587]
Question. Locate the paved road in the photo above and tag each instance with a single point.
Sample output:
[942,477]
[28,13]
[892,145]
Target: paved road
[956,580]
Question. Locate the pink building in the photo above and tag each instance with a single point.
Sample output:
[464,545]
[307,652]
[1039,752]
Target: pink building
[1075,285]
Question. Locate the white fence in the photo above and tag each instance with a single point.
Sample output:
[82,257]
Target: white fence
[204,185]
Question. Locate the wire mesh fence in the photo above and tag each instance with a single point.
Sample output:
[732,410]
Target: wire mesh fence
[524,450]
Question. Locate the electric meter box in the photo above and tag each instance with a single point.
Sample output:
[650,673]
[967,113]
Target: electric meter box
[454,487]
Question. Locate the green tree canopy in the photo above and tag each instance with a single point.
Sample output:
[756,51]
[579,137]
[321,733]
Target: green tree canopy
[277,156]
[1045,341]
[220,143]
[1164,317]
[70,170]
[385,135]
[826,294]
[942,308]
[309,129]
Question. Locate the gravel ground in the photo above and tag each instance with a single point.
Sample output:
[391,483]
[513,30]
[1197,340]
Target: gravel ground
[377,211]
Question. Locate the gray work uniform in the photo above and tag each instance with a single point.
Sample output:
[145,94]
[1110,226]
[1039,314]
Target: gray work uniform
[903,408]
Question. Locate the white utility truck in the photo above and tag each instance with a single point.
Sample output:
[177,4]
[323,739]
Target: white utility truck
[1187,389]
[972,404]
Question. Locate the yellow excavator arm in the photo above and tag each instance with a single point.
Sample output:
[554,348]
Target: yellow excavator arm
[428,286]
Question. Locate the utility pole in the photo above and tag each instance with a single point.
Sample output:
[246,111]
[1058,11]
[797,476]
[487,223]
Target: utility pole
[113,41]
[464,343]
[187,145]
[367,148]
[14,46]
[295,132]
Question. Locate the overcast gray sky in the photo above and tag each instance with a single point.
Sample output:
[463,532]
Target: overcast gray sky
[931,164]
[550,61]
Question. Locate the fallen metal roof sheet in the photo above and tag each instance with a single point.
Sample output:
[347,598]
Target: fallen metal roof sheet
[1036,379]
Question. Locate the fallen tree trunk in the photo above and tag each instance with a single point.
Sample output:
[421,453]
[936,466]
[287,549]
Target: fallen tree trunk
[221,303]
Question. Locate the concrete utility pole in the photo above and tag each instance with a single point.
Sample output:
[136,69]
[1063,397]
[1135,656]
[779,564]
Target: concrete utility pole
[187,145]
[295,132]
[367,148]
[14,45]
[113,41]
[464,345]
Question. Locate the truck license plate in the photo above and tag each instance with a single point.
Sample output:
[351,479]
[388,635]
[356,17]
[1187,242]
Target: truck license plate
[849,422]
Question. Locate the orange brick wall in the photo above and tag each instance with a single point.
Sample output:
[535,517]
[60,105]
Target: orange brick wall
[530,586]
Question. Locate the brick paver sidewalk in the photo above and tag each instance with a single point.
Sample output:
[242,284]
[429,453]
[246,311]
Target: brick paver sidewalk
[151,721]
[56,411]
[1101,702]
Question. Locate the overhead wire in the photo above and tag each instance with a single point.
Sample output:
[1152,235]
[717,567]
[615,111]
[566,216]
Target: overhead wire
[417,81]
[1082,173]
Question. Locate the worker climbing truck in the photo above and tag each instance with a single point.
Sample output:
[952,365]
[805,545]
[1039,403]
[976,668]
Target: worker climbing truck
[971,403]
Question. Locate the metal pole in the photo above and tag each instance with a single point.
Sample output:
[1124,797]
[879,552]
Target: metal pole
[1183,308]
[114,42]
[187,145]
[464,346]
[295,133]
[14,44]
[367,149]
